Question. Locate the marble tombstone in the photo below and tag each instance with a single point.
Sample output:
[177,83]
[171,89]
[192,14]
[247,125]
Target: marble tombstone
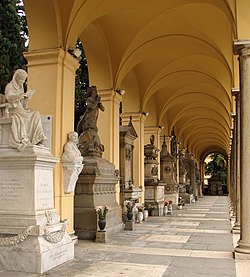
[32,236]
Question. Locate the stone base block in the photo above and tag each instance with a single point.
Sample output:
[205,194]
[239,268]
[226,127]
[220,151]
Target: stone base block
[130,225]
[235,231]
[241,256]
[101,237]
[236,228]
[86,222]
[173,196]
[187,197]
[36,255]
[244,249]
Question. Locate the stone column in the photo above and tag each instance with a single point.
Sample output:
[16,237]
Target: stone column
[138,165]
[177,164]
[108,127]
[236,227]
[202,176]
[243,49]
[199,183]
[233,169]
[52,76]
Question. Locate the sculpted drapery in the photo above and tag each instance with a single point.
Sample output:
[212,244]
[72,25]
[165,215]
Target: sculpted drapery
[26,128]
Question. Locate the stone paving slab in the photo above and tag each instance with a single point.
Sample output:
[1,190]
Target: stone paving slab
[104,269]
[195,241]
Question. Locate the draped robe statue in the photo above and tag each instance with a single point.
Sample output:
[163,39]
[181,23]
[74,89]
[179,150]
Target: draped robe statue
[26,128]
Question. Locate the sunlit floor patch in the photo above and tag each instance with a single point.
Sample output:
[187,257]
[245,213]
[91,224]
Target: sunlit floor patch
[104,269]
[165,238]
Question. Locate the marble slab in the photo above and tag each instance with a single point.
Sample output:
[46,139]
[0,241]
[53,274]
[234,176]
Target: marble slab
[165,238]
[194,215]
[117,269]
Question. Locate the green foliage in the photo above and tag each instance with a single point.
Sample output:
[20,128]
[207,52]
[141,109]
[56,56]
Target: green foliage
[81,85]
[101,211]
[11,42]
[217,166]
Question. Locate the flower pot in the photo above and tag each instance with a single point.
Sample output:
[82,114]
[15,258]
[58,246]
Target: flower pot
[145,215]
[136,214]
[165,210]
[129,215]
[102,223]
[170,208]
[140,217]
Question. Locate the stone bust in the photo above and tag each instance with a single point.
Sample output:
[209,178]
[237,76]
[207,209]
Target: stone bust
[71,152]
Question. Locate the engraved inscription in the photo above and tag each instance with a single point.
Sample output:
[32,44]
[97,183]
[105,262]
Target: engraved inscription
[16,190]
[149,194]
[44,194]
[10,190]
[58,255]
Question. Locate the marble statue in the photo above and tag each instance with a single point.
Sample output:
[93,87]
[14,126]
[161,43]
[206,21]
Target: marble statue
[26,128]
[4,107]
[71,162]
[89,141]
[71,152]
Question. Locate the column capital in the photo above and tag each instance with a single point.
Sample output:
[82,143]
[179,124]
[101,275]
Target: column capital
[136,116]
[109,94]
[153,129]
[51,56]
[242,47]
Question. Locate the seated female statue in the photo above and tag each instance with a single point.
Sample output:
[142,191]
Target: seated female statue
[26,128]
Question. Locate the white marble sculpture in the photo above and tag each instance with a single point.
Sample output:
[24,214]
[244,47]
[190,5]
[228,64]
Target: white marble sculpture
[26,128]
[72,162]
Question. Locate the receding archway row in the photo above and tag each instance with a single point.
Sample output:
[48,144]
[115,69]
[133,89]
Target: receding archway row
[172,60]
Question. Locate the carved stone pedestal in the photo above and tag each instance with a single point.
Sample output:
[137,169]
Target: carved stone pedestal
[132,193]
[32,238]
[101,237]
[168,175]
[154,198]
[154,189]
[130,225]
[96,186]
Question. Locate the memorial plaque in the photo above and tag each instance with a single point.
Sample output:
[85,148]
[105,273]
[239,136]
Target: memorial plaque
[44,190]
[149,193]
[15,194]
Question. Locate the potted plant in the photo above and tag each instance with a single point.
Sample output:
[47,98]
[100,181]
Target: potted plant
[101,212]
[165,208]
[150,207]
[181,202]
[170,207]
[140,208]
[129,205]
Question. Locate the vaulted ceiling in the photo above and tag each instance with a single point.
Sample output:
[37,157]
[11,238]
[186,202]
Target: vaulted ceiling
[174,59]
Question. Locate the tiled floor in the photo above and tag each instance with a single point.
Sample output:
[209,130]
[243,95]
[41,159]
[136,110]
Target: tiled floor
[194,241]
